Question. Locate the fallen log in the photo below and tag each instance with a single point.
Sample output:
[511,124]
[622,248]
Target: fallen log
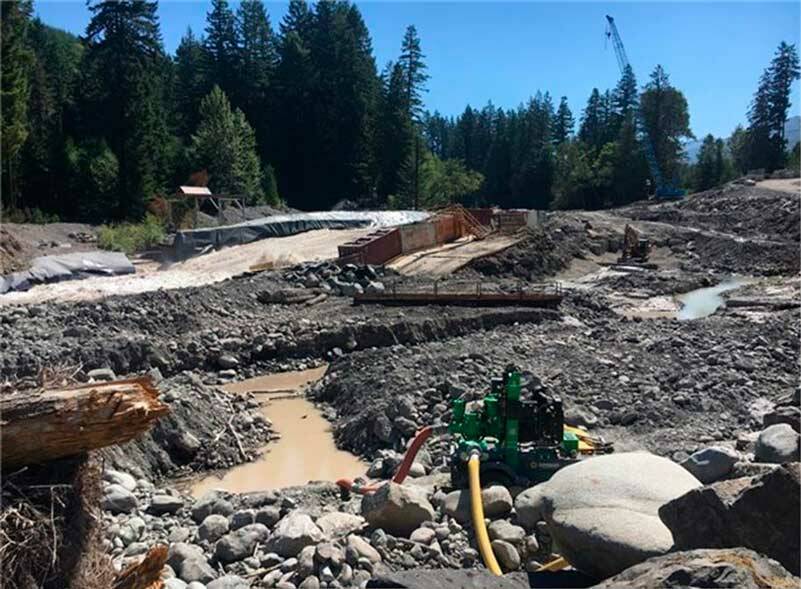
[53,424]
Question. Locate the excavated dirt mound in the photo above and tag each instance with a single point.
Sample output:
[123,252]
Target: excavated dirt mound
[545,251]
[747,211]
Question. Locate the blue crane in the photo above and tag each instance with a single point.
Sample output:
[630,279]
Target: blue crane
[664,190]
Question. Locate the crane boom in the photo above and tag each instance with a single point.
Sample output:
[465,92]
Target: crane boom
[663,190]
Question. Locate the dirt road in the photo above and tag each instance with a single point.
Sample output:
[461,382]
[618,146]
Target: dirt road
[785,185]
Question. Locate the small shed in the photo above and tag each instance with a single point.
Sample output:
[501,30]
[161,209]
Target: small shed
[194,190]
[218,201]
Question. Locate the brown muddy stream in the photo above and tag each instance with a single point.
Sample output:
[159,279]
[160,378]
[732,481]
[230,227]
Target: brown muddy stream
[306,450]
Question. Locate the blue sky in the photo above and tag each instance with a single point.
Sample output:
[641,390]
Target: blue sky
[506,51]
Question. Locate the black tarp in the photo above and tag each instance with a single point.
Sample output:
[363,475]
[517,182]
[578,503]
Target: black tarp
[46,269]
[191,241]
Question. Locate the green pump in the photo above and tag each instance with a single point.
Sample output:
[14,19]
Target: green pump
[519,441]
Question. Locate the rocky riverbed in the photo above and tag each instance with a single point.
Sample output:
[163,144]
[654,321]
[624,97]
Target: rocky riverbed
[712,402]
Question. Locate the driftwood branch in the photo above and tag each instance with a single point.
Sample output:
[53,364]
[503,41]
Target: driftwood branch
[64,422]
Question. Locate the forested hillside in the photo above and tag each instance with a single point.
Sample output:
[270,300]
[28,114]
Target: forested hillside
[95,127]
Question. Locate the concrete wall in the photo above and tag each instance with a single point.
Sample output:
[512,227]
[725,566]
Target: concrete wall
[417,236]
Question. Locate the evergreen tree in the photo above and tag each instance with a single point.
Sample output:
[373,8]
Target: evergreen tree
[564,122]
[784,70]
[768,112]
[225,146]
[436,129]
[414,72]
[291,124]
[191,81]
[707,169]
[592,131]
[123,98]
[220,45]
[624,97]
[257,61]
[17,61]
[53,77]
[270,187]
[415,77]
[760,144]
[630,169]
[738,148]
[395,133]
[667,121]
[298,19]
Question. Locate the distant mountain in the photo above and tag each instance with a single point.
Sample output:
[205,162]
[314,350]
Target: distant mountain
[792,131]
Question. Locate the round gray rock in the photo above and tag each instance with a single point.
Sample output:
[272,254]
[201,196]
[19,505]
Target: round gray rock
[398,509]
[213,527]
[603,512]
[241,543]
[293,533]
[340,523]
[496,499]
[711,464]
[189,563]
[503,530]
[507,555]
[777,444]
[118,499]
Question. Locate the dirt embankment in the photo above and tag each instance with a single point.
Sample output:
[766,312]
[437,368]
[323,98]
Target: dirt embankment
[21,242]
[661,385]
[746,211]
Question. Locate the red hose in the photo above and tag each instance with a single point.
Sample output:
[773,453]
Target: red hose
[400,474]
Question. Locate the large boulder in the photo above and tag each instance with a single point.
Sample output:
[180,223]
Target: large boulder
[497,502]
[240,543]
[398,509]
[603,512]
[189,563]
[711,464]
[777,444]
[293,533]
[708,568]
[761,513]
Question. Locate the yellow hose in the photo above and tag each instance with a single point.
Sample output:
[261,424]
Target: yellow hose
[477,510]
